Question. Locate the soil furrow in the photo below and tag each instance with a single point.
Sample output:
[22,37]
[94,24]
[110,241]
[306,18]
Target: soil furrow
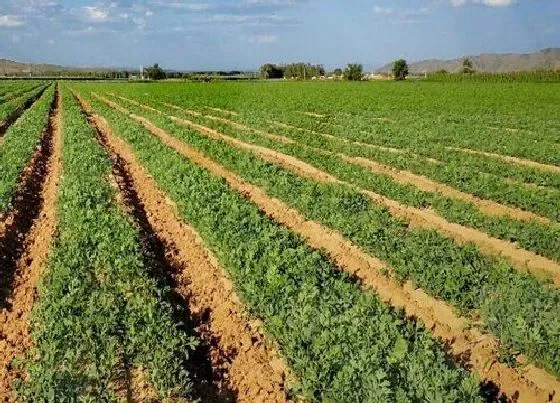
[15,115]
[24,247]
[476,351]
[510,159]
[241,359]
[424,218]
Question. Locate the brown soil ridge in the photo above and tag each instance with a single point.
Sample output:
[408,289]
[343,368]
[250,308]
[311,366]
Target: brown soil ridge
[510,159]
[522,259]
[28,236]
[476,351]
[243,360]
[16,113]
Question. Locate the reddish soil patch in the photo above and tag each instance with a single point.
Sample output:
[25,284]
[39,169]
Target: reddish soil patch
[24,245]
[476,351]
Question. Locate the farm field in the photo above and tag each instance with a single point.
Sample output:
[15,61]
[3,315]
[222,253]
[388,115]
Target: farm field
[280,241]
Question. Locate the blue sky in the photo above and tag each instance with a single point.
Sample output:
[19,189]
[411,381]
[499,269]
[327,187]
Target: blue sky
[227,34]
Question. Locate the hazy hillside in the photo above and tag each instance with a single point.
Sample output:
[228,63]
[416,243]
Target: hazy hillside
[11,67]
[492,62]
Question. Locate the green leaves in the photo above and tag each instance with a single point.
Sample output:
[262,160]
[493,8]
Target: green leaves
[99,311]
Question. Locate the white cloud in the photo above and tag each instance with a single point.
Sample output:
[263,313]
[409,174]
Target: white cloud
[383,10]
[262,39]
[96,14]
[490,3]
[401,15]
[10,21]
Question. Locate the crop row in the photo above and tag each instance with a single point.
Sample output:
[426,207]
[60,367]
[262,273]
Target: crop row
[412,115]
[342,343]
[7,87]
[458,274]
[18,91]
[467,177]
[538,237]
[18,103]
[18,145]
[99,314]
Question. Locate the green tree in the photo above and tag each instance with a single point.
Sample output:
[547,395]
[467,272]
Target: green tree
[155,72]
[270,70]
[467,66]
[400,69]
[337,73]
[354,72]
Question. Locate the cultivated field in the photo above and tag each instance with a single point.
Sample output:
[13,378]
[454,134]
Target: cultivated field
[319,241]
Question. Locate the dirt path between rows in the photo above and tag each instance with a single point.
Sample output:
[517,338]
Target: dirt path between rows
[24,247]
[424,218]
[510,159]
[476,351]
[242,359]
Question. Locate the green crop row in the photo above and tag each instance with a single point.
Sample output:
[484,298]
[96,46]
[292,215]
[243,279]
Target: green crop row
[99,313]
[6,87]
[540,238]
[515,306]
[18,146]
[467,177]
[8,108]
[342,343]
[519,120]
[19,91]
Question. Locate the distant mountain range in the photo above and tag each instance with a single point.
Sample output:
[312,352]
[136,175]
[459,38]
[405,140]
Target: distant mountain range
[546,59]
[8,67]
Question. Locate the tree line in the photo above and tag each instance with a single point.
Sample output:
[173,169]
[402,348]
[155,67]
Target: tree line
[302,71]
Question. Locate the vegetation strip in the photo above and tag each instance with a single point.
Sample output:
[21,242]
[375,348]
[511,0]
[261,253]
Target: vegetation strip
[19,146]
[99,317]
[242,361]
[342,343]
[461,208]
[469,179]
[482,350]
[12,110]
[522,259]
[473,281]
[36,202]
[513,160]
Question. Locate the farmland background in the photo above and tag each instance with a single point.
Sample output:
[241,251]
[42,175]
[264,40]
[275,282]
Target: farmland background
[276,240]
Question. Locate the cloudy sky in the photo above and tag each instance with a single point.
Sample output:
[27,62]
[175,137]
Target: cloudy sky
[228,34]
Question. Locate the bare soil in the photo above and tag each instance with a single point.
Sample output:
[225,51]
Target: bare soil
[24,246]
[477,352]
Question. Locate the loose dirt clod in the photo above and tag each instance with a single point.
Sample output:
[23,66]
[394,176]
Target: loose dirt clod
[476,351]
[242,361]
[24,246]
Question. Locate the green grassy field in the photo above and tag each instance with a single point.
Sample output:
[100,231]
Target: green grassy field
[391,241]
